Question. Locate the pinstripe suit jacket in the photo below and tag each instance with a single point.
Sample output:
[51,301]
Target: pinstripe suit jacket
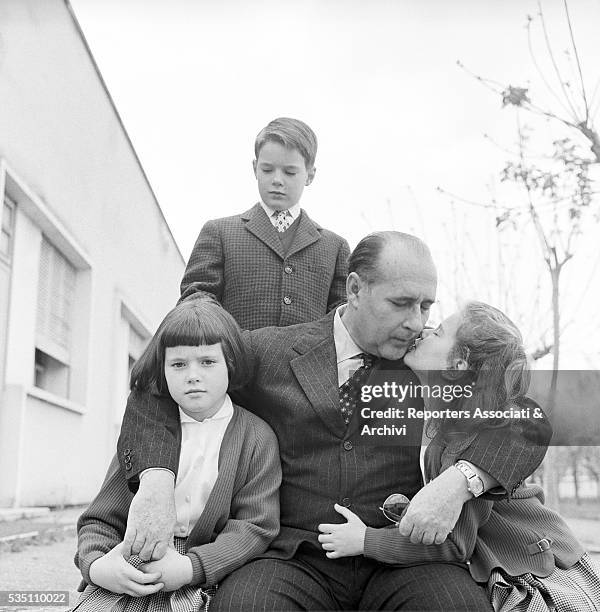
[488,535]
[295,389]
[240,260]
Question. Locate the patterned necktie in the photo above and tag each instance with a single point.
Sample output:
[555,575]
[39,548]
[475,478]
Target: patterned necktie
[283,219]
[350,390]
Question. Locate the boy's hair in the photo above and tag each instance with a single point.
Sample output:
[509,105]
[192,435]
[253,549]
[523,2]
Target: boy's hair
[291,133]
[192,322]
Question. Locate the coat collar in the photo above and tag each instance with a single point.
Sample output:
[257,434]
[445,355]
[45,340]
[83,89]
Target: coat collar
[260,225]
[315,369]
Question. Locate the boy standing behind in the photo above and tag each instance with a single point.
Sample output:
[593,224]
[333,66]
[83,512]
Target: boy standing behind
[272,265]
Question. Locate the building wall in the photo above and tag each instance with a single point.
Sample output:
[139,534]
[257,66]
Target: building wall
[67,163]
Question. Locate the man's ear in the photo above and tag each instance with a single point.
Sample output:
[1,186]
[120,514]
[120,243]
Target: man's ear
[311,176]
[353,287]
[254,162]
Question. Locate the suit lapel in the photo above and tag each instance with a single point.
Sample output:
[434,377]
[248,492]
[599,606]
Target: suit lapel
[306,234]
[259,224]
[316,372]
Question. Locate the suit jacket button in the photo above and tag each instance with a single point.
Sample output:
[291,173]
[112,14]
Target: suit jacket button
[346,502]
[288,269]
[348,445]
[287,300]
[128,466]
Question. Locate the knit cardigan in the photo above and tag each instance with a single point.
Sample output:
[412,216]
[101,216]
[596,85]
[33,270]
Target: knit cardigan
[519,535]
[240,519]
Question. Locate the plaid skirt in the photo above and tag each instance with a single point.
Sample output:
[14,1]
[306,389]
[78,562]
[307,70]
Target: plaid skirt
[185,599]
[576,589]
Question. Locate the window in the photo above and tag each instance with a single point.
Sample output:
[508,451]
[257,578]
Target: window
[56,290]
[137,344]
[7,229]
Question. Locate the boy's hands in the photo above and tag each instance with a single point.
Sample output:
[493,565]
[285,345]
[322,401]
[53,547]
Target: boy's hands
[175,570]
[151,517]
[112,572]
[343,539]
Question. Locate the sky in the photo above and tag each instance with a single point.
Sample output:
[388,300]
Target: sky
[396,119]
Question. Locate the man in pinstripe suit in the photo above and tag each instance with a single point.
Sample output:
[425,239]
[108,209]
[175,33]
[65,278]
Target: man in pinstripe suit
[297,373]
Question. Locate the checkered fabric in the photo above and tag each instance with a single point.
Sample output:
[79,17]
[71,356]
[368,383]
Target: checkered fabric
[283,219]
[350,390]
[241,260]
[576,589]
[186,599]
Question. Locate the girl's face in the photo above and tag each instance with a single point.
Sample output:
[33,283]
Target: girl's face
[432,351]
[197,378]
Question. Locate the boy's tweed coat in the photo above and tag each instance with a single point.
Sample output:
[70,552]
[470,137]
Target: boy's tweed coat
[241,261]
[295,389]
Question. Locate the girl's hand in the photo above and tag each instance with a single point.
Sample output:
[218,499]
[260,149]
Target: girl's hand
[344,539]
[112,572]
[175,569]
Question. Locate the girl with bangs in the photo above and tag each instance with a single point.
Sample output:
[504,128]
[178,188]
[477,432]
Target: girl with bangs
[226,492]
[520,551]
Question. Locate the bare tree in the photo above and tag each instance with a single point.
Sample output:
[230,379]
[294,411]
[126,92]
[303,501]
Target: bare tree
[557,190]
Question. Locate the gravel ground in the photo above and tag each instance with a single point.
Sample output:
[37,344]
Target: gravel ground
[41,567]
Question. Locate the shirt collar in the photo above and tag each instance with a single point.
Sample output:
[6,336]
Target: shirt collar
[345,347]
[224,412]
[293,210]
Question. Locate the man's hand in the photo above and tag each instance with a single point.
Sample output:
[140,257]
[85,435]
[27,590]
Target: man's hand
[434,510]
[343,539]
[151,517]
[175,569]
[112,572]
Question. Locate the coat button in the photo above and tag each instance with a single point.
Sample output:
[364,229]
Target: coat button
[126,452]
[348,445]
[346,502]
[287,300]
[288,269]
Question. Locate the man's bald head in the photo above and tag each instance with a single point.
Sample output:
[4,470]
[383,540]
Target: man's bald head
[369,257]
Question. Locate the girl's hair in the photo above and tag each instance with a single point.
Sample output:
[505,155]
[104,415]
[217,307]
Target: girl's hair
[195,321]
[493,347]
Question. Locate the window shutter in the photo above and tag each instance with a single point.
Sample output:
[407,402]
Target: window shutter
[56,290]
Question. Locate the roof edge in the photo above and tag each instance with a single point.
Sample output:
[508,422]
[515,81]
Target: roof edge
[118,116]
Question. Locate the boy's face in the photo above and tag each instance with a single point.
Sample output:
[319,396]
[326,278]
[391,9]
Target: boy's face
[281,174]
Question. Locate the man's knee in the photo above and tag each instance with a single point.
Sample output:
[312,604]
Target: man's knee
[271,584]
[425,587]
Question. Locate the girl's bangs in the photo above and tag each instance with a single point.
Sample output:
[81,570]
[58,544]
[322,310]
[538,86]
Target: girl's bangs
[189,329]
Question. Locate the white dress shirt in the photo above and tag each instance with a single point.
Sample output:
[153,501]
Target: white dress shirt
[294,211]
[347,351]
[198,465]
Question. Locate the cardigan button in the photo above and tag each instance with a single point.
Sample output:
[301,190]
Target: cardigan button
[287,300]
[288,269]
[348,445]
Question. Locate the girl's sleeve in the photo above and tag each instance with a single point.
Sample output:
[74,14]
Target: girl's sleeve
[388,545]
[255,516]
[102,526]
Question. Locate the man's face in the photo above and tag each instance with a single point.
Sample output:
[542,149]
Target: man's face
[388,314]
[281,174]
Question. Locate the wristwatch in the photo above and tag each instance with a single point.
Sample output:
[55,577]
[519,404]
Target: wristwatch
[474,482]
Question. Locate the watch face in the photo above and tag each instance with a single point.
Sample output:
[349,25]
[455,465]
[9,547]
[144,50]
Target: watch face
[476,486]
